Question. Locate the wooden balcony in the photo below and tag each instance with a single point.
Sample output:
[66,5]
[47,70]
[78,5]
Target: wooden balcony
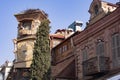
[96,65]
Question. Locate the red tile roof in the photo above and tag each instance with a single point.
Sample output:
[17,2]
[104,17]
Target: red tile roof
[57,36]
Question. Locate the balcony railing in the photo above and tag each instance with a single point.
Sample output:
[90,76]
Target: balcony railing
[95,65]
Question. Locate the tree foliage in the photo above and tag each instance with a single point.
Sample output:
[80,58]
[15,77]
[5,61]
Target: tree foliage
[40,67]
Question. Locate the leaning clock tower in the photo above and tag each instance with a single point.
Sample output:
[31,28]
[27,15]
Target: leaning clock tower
[28,22]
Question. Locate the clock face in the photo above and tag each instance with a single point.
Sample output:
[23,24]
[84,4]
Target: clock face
[25,51]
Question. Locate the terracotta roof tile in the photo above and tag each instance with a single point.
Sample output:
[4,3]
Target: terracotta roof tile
[57,36]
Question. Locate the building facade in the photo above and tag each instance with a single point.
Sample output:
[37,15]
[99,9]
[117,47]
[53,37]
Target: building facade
[5,70]
[76,26]
[63,60]
[91,54]
[97,50]
[59,36]
[94,53]
[28,22]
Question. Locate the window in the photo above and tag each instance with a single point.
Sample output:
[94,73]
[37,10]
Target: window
[60,50]
[26,25]
[84,54]
[100,48]
[64,48]
[24,52]
[116,44]
[96,9]
[78,24]
[116,49]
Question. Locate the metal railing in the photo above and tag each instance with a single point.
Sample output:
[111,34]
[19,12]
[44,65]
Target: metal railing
[95,65]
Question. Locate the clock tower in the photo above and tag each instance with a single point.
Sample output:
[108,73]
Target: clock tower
[28,22]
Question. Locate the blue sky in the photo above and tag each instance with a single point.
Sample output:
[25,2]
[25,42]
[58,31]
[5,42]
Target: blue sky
[61,14]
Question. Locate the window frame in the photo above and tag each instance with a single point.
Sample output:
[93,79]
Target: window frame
[115,49]
[84,54]
[100,51]
[96,9]
[27,24]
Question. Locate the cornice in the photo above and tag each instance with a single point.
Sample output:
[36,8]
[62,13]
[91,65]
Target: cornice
[98,26]
[26,38]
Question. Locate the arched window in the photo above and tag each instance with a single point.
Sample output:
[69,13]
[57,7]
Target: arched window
[84,54]
[96,9]
[100,48]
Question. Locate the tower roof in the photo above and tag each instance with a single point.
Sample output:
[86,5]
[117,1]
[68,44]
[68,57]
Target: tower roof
[31,14]
[31,11]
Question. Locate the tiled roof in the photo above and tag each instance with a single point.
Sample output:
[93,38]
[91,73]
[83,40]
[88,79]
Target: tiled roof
[63,30]
[57,36]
